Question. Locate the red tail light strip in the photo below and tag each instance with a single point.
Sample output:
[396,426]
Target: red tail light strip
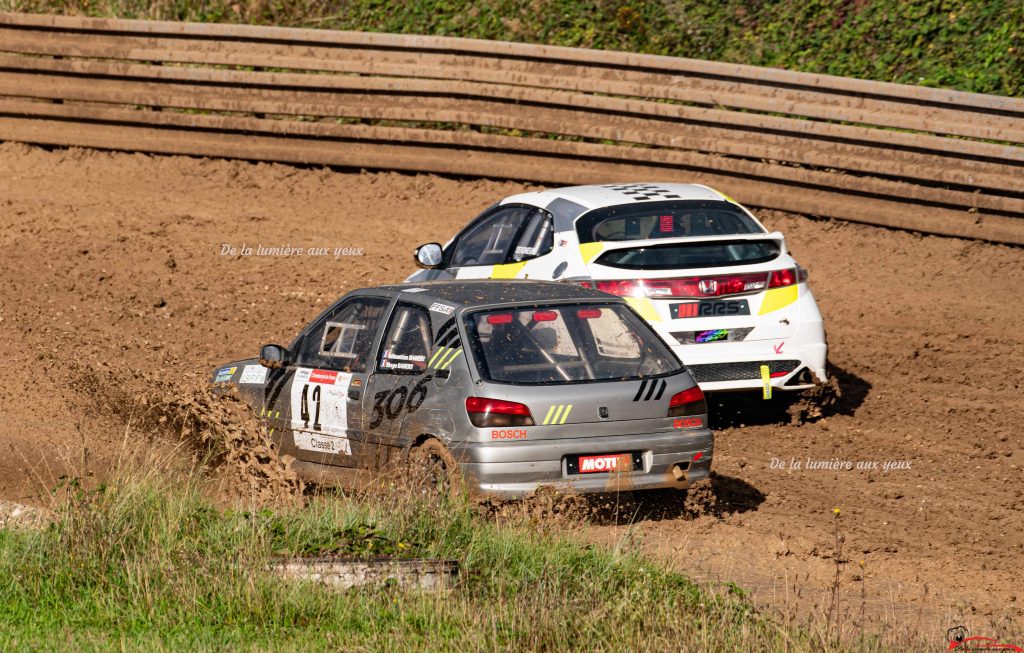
[708,286]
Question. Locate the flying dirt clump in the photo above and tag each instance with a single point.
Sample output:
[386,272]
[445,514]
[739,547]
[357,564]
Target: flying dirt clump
[820,401]
[219,429]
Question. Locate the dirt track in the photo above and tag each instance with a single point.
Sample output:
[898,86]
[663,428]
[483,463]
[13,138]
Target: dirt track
[111,266]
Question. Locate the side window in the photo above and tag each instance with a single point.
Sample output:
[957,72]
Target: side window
[343,339]
[537,239]
[488,242]
[407,341]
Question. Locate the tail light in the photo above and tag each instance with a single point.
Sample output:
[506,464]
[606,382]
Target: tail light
[485,413]
[697,287]
[714,286]
[688,402]
[781,278]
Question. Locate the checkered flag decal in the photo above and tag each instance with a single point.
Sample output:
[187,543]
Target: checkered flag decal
[641,192]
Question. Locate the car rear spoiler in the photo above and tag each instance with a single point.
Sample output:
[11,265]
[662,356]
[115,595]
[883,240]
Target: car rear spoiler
[611,245]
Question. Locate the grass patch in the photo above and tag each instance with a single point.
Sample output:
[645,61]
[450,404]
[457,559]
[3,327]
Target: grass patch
[147,562]
[973,45]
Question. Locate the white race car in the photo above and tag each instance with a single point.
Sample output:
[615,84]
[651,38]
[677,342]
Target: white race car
[700,268]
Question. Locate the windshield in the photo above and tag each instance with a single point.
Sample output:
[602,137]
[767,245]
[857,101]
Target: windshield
[681,256]
[566,344]
[673,219]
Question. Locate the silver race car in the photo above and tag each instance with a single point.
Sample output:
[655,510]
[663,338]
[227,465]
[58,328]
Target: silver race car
[517,384]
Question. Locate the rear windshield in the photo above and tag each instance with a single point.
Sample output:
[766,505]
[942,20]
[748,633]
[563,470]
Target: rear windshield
[672,219]
[567,344]
[692,255]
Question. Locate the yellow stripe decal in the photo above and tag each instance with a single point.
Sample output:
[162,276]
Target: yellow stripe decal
[777,298]
[548,418]
[589,251]
[565,415]
[766,382]
[645,308]
[508,270]
[558,412]
[444,366]
[434,357]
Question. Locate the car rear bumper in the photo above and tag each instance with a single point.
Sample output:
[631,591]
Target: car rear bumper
[514,469]
[796,362]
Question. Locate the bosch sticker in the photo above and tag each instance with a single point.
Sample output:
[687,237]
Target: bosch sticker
[508,434]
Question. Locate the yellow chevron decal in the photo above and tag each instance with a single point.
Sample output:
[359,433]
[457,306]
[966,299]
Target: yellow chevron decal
[777,298]
[547,419]
[441,351]
[557,414]
[446,363]
[508,270]
[565,415]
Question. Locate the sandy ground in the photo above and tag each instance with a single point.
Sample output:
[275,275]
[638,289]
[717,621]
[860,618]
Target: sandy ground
[112,274]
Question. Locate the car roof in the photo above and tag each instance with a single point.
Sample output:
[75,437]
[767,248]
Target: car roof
[593,197]
[489,292]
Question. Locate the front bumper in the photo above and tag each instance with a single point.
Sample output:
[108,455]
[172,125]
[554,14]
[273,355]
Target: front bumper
[515,469]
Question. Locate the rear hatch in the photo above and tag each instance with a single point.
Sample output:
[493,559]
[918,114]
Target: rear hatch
[701,290]
[570,365]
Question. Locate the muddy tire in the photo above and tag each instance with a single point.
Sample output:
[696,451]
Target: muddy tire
[433,470]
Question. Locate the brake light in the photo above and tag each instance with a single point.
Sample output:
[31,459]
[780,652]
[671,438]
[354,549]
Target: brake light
[782,278]
[688,402]
[485,412]
[588,313]
[545,316]
[499,318]
[715,286]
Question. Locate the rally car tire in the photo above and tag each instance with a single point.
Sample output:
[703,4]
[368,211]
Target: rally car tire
[433,469]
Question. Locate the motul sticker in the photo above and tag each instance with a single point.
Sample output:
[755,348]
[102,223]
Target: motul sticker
[595,464]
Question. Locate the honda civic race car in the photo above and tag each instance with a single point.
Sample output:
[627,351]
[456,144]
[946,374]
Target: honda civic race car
[516,384]
[697,266]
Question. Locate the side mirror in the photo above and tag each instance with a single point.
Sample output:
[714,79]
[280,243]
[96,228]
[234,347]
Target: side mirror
[429,256]
[273,356]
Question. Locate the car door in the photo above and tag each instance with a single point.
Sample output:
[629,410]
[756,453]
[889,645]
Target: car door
[320,401]
[499,244]
[397,384]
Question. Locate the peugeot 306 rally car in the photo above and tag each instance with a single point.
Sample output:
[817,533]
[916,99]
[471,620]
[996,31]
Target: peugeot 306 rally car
[697,266]
[516,384]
